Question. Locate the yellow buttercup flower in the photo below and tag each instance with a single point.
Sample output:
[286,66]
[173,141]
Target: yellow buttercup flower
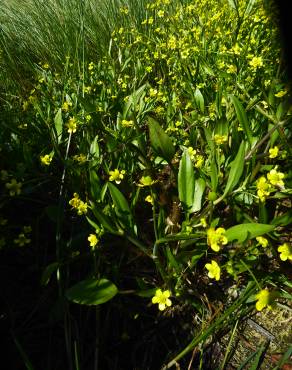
[146,181]
[256,62]
[285,251]
[265,299]
[220,139]
[275,177]
[281,93]
[81,158]
[149,199]
[262,241]
[22,240]
[214,270]
[263,188]
[162,299]
[92,240]
[78,204]
[203,222]
[116,175]
[216,238]
[46,159]
[14,187]
[273,152]
[72,125]
[126,123]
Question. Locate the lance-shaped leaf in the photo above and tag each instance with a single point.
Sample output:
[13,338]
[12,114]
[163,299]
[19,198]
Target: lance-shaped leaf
[160,141]
[243,232]
[186,181]
[48,272]
[122,208]
[242,117]
[92,292]
[199,99]
[236,170]
[58,121]
[104,220]
[200,186]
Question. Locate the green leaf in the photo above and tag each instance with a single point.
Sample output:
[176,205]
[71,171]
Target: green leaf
[283,220]
[199,99]
[122,208]
[200,186]
[251,230]
[236,170]
[95,186]
[242,117]
[94,148]
[213,173]
[103,219]
[147,293]
[92,292]
[186,181]
[58,121]
[160,141]
[49,270]
[172,262]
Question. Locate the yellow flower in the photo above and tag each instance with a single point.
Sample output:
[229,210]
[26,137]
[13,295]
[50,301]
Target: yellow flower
[262,241]
[256,62]
[220,139]
[81,158]
[216,238]
[27,229]
[92,240]
[162,298]
[203,222]
[146,181]
[82,208]
[281,93]
[263,188]
[285,251]
[265,299]
[273,152]
[192,152]
[14,187]
[66,106]
[276,178]
[149,199]
[126,123]
[75,201]
[116,175]
[4,175]
[160,13]
[214,270]
[72,125]
[199,160]
[46,159]
[22,240]
[78,204]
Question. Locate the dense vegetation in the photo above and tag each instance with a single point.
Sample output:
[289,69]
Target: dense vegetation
[145,179]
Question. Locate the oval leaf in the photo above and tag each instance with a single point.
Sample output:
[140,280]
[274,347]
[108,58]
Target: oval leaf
[242,117]
[236,169]
[49,270]
[92,292]
[247,231]
[186,181]
[121,205]
[160,141]
[200,185]
[58,121]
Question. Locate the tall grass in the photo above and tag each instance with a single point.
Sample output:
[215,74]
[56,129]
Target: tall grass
[34,31]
